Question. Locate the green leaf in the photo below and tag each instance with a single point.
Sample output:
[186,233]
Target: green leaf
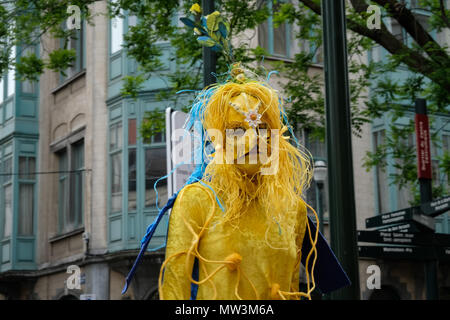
[223,29]
[212,21]
[206,41]
[30,67]
[188,22]
[61,59]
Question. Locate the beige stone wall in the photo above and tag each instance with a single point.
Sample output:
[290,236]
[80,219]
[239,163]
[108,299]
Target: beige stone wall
[363,180]
[96,129]
[61,113]
[76,104]
[79,103]
[53,286]
[116,283]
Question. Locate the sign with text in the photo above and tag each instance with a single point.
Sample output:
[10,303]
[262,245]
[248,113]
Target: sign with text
[436,207]
[405,238]
[395,252]
[402,238]
[423,146]
[401,216]
[410,227]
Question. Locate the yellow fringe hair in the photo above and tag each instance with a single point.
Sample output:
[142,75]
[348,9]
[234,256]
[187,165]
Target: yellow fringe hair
[294,168]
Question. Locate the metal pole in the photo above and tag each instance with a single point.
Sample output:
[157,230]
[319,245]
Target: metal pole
[209,56]
[425,185]
[320,204]
[338,126]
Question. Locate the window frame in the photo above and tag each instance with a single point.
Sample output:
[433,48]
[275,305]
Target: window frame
[5,182]
[80,60]
[270,34]
[66,146]
[24,178]
[116,151]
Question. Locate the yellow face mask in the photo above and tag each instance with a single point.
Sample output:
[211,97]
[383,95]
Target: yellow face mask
[243,122]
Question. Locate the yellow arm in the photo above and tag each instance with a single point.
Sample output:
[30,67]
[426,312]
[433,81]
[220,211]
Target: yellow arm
[186,220]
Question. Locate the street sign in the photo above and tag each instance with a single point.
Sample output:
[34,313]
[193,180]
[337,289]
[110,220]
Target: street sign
[410,227]
[423,146]
[436,207]
[401,216]
[395,252]
[383,237]
[415,239]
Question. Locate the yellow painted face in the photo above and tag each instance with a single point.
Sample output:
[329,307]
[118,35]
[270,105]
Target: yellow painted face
[242,132]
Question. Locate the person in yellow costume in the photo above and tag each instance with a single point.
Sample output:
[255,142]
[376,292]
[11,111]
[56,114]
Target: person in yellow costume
[239,227]
[252,249]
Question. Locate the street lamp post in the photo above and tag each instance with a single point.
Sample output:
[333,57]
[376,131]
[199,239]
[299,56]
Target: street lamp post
[320,176]
[339,147]
[209,56]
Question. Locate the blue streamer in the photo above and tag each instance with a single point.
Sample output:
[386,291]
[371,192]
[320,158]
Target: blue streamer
[146,240]
[270,73]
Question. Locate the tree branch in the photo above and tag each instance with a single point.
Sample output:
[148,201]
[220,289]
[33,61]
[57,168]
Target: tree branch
[413,59]
[443,13]
[408,20]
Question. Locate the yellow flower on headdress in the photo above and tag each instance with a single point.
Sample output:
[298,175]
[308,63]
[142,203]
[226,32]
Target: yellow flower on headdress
[195,8]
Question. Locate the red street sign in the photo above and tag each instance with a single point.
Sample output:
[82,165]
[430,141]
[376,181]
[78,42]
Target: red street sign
[423,147]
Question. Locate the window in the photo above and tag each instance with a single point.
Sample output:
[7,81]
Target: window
[415,4]
[115,147]
[28,86]
[26,206]
[132,165]
[381,176]
[317,193]
[27,168]
[1,91]
[397,30]
[75,42]
[7,224]
[315,146]
[116,34]
[423,18]
[137,163]
[276,40]
[318,54]
[7,210]
[11,75]
[155,168]
[71,186]
[77,183]
[63,186]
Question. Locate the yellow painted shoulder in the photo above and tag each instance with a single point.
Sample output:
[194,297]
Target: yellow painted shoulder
[194,201]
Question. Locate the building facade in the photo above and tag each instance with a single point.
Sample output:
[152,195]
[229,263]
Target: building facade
[76,183]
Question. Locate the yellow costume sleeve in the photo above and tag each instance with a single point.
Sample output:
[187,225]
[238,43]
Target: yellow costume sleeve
[301,228]
[186,221]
